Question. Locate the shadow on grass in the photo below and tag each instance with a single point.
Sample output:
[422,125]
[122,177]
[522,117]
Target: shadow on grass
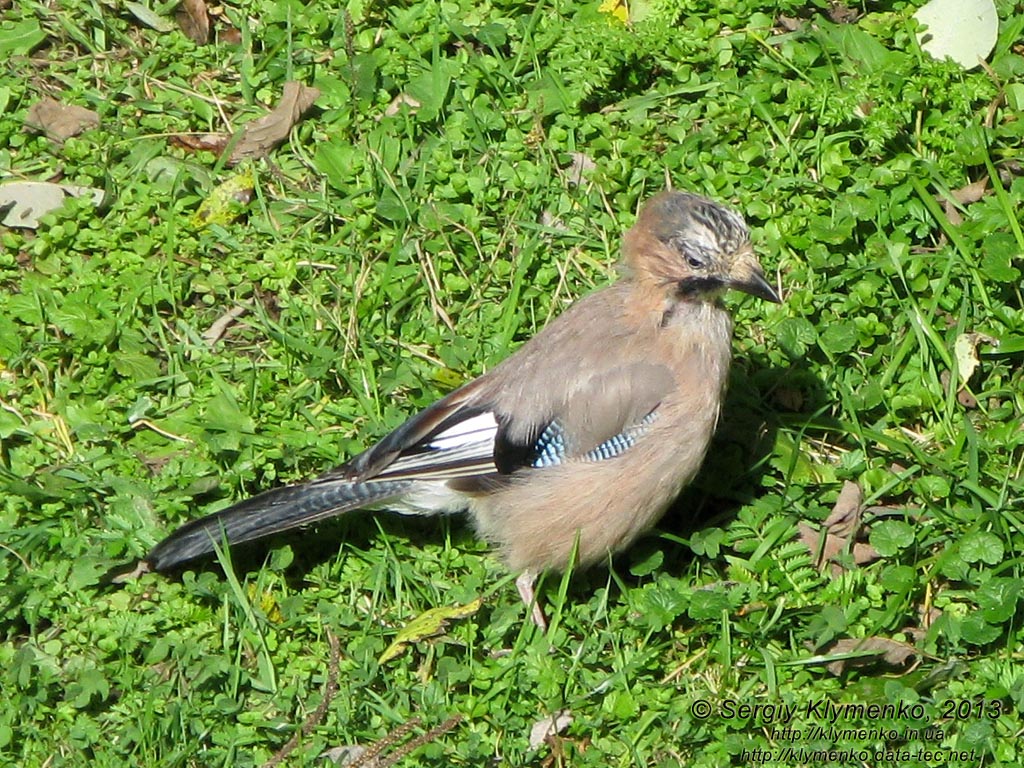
[759,398]
[321,543]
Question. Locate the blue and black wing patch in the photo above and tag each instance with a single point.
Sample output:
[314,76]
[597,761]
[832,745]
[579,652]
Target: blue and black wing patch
[554,445]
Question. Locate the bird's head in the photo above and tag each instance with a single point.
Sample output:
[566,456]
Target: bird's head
[697,246]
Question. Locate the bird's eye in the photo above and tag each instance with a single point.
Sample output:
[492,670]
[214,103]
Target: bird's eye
[695,261]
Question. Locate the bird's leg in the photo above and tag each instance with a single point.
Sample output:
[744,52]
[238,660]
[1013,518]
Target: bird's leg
[525,583]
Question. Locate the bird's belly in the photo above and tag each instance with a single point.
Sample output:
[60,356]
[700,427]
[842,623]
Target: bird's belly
[586,510]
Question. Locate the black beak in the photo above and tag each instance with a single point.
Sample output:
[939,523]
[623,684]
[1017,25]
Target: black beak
[746,275]
[756,285]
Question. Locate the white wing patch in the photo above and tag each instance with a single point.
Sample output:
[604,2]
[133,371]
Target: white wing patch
[462,450]
[480,428]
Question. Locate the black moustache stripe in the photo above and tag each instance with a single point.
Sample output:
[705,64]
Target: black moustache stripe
[690,286]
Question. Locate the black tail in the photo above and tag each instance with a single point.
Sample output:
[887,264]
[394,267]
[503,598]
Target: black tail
[271,512]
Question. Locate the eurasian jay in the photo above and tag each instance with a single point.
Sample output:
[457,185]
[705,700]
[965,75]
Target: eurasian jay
[578,442]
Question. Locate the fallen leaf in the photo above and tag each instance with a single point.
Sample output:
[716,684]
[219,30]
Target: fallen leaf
[194,20]
[220,326]
[552,725]
[199,142]
[840,13]
[230,35]
[845,516]
[862,555]
[839,531]
[971,193]
[227,201]
[23,203]
[789,23]
[401,100]
[263,134]
[428,624]
[581,164]
[859,652]
[140,568]
[60,121]
[965,348]
[617,9]
[962,30]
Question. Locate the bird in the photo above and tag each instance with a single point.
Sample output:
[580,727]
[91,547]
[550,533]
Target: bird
[577,443]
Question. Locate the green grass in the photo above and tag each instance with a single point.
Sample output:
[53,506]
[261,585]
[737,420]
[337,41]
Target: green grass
[388,255]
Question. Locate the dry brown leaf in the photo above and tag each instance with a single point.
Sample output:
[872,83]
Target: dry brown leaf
[862,555]
[197,142]
[891,652]
[262,135]
[789,23]
[972,192]
[966,195]
[840,530]
[230,35]
[194,20]
[840,13]
[845,517]
[140,568]
[582,164]
[401,100]
[822,550]
[552,725]
[952,213]
[60,121]
[219,327]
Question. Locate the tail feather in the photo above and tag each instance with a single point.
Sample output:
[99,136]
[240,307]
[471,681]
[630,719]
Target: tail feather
[271,512]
